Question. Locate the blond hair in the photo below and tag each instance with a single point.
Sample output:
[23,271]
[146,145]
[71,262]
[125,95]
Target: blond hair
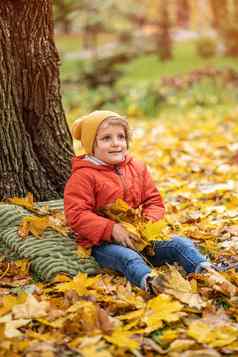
[116,121]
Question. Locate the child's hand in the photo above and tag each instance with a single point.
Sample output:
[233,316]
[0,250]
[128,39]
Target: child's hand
[121,236]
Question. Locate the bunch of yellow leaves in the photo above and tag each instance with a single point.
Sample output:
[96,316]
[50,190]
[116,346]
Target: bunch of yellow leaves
[141,231]
[37,225]
[43,218]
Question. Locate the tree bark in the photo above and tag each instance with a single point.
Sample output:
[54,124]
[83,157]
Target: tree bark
[64,9]
[219,12]
[183,13]
[35,142]
[235,5]
[164,39]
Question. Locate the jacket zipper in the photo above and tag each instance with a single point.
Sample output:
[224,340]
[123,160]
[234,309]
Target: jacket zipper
[119,173]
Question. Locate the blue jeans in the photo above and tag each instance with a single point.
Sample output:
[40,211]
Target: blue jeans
[128,262]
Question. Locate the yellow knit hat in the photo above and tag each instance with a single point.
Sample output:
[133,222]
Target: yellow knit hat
[85,128]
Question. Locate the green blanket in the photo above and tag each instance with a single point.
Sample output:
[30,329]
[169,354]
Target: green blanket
[50,255]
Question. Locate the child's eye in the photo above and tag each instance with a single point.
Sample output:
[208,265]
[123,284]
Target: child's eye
[107,137]
[121,136]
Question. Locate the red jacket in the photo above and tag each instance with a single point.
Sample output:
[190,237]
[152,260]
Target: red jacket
[93,186]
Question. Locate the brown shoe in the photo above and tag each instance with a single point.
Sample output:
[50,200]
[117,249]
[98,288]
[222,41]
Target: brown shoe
[154,285]
[219,267]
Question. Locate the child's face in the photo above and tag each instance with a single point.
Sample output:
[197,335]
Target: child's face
[110,144]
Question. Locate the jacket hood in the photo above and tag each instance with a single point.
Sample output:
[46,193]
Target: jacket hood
[78,162]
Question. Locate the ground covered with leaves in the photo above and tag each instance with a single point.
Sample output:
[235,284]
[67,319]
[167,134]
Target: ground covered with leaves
[194,162]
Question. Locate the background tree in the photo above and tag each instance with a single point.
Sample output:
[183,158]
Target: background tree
[64,11]
[35,143]
[164,37]
[219,13]
[235,5]
[183,13]
[225,22]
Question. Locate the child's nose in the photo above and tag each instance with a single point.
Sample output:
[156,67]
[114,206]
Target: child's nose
[115,141]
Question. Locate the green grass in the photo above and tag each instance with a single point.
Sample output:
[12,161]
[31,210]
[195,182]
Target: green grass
[143,73]
[150,68]
[145,68]
[69,69]
[68,43]
[74,43]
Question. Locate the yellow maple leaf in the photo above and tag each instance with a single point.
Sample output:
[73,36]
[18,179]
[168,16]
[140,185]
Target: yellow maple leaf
[34,225]
[31,308]
[213,335]
[120,211]
[80,283]
[26,202]
[138,242]
[21,345]
[83,252]
[37,225]
[218,282]
[23,265]
[84,341]
[58,323]
[181,289]
[10,301]
[181,345]
[86,312]
[132,315]
[121,337]
[57,222]
[11,326]
[154,230]
[159,309]
[45,337]
[120,205]
[97,350]
[131,229]
[167,336]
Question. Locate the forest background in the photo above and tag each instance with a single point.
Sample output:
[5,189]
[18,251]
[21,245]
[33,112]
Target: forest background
[141,58]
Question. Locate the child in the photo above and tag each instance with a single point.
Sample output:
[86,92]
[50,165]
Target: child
[107,172]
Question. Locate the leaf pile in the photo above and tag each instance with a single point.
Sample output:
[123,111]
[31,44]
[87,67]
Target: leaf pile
[192,160]
[42,219]
[142,232]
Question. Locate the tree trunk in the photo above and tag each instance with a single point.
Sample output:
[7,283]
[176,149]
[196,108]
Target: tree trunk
[183,13]
[63,11]
[219,13]
[235,5]
[224,13]
[164,37]
[35,143]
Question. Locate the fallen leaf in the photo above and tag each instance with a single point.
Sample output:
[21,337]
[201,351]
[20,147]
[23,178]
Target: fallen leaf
[154,230]
[213,335]
[181,345]
[31,308]
[121,337]
[33,225]
[159,309]
[80,283]
[103,321]
[83,252]
[26,202]
[181,289]
[99,350]
[218,282]
[10,301]
[200,353]
[11,326]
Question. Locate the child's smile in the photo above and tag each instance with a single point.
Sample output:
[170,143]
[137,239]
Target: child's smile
[110,144]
